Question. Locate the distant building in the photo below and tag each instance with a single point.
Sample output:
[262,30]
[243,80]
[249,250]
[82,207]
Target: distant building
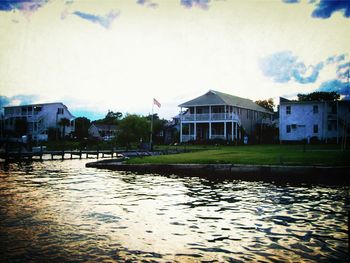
[37,119]
[171,130]
[217,115]
[102,131]
[305,120]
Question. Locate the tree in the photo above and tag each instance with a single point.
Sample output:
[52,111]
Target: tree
[64,122]
[111,118]
[132,128]
[319,96]
[158,127]
[267,104]
[82,125]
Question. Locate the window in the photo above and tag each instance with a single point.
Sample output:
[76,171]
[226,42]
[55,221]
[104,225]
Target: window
[60,111]
[315,109]
[334,109]
[288,110]
[315,128]
[329,127]
[288,128]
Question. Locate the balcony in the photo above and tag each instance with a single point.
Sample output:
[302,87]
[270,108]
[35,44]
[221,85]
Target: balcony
[210,117]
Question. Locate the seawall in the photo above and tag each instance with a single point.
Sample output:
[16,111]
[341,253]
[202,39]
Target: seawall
[267,173]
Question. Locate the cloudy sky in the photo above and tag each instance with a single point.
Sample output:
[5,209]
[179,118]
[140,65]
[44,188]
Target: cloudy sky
[100,55]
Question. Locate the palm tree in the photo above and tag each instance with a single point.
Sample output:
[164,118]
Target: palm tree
[64,122]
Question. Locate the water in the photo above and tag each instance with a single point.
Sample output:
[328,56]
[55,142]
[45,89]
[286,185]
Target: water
[61,211]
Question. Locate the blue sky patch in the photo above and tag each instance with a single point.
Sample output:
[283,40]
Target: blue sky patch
[283,67]
[104,21]
[326,8]
[336,85]
[22,5]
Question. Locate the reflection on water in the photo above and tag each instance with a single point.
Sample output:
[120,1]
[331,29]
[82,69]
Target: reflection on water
[62,211]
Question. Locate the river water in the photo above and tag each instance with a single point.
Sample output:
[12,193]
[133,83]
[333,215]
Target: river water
[60,211]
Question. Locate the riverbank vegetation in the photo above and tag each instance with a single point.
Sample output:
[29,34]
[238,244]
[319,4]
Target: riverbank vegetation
[321,155]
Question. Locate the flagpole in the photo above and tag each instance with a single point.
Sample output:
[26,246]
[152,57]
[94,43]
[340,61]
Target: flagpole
[150,140]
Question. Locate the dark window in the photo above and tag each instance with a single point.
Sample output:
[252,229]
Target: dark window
[315,128]
[288,128]
[315,109]
[330,127]
[37,108]
[288,110]
[334,109]
[60,111]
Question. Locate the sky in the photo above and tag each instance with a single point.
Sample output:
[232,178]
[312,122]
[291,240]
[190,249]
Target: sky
[100,55]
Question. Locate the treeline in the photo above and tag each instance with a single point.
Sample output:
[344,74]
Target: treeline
[130,129]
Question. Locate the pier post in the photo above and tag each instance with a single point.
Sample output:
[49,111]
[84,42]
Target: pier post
[80,154]
[20,153]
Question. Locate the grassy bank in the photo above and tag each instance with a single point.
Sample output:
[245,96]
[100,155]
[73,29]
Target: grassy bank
[259,155]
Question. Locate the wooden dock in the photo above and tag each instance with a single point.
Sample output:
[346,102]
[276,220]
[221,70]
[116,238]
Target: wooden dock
[21,155]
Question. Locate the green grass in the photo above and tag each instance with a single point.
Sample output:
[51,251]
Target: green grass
[257,154]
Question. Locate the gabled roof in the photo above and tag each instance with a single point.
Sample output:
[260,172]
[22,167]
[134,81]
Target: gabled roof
[104,127]
[36,104]
[214,98]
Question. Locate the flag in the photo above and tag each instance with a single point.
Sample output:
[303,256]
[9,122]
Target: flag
[156,102]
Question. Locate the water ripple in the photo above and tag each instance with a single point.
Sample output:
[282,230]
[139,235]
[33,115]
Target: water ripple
[61,211]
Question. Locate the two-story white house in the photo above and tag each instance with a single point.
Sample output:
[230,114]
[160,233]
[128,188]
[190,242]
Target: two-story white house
[39,118]
[217,115]
[303,120]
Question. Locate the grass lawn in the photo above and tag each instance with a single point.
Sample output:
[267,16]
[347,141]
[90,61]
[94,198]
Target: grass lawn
[257,154]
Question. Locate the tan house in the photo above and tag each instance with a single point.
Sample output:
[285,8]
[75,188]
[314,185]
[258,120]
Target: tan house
[217,115]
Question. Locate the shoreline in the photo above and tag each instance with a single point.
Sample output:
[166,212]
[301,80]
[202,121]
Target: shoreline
[329,175]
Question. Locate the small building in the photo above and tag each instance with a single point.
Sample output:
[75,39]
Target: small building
[309,120]
[217,115]
[36,120]
[102,131]
[171,130]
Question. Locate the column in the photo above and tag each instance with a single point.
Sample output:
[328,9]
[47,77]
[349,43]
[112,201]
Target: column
[236,131]
[209,130]
[195,113]
[195,131]
[210,114]
[180,129]
[225,129]
[232,131]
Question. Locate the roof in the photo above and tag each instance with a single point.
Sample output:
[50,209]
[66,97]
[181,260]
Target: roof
[105,127]
[286,101]
[213,97]
[36,104]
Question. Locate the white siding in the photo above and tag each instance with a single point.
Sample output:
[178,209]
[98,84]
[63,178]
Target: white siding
[301,120]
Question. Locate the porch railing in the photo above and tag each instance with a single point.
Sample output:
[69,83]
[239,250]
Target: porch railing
[186,138]
[208,117]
